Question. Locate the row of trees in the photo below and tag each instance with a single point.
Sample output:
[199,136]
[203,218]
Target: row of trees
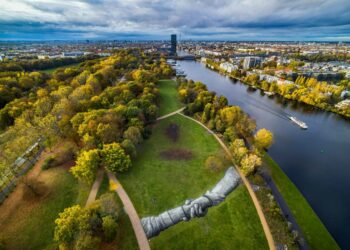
[236,126]
[36,64]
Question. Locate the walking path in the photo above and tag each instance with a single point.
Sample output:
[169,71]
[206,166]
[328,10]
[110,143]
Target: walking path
[170,114]
[95,187]
[131,211]
[258,208]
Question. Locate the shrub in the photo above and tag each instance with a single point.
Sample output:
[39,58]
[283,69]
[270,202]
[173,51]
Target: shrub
[129,148]
[214,164]
[87,242]
[109,226]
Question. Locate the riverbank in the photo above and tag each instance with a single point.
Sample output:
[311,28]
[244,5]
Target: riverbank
[316,233]
[328,108]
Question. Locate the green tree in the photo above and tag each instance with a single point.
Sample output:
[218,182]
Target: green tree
[129,148]
[86,241]
[114,158]
[109,226]
[133,134]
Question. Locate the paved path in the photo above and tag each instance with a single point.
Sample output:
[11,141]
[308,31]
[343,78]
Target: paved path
[170,114]
[131,211]
[258,208]
[95,187]
[284,207]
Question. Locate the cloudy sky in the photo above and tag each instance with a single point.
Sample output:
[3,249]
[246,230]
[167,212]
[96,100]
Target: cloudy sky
[193,19]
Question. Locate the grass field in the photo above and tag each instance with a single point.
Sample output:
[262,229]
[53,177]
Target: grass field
[168,97]
[31,224]
[51,70]
[315,232]
[155,184]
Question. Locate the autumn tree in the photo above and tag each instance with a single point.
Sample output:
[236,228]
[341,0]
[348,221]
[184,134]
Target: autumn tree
[70,223]
[86,165]
[114,158]
[238,150]
[249,163]
[263,139]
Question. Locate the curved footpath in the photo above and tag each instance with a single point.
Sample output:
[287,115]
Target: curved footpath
[131,211]
[258,208]
[95,187]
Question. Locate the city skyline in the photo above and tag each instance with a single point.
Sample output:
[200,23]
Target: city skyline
[250,20]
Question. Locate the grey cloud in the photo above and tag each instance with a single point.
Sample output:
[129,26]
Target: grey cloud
[194,18]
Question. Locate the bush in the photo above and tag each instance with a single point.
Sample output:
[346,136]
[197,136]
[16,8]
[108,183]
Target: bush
[109,226]
[214,164]
[87,242]
[129,148]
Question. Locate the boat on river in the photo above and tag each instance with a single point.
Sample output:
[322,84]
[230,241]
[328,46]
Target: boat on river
[298,122]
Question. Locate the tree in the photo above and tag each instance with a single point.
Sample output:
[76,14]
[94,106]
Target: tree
[114,158]
[214,164]
[69,223]
[109,226]
[238,150]
[86,241]
[263,139]
[86,165]
[249,163]
[129,148]
[133,134]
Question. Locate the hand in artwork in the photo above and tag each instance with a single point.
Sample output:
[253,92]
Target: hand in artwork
[195,208]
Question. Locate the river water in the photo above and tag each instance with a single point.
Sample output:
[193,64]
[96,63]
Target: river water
[317,160]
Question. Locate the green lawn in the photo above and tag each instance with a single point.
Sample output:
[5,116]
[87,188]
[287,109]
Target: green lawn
[51,70]
[168,97]
[155,184]
[31,225]
[313,229]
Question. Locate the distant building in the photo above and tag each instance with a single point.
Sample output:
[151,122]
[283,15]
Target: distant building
[343,104]
[228,67]
[72,54]
[251,62]
[173,44]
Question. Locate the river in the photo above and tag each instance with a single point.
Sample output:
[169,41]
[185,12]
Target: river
[317,160]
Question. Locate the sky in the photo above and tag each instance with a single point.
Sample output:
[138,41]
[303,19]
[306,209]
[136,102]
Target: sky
[285,20]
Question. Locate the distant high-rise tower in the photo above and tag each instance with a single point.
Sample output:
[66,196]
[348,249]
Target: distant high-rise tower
[173,44]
